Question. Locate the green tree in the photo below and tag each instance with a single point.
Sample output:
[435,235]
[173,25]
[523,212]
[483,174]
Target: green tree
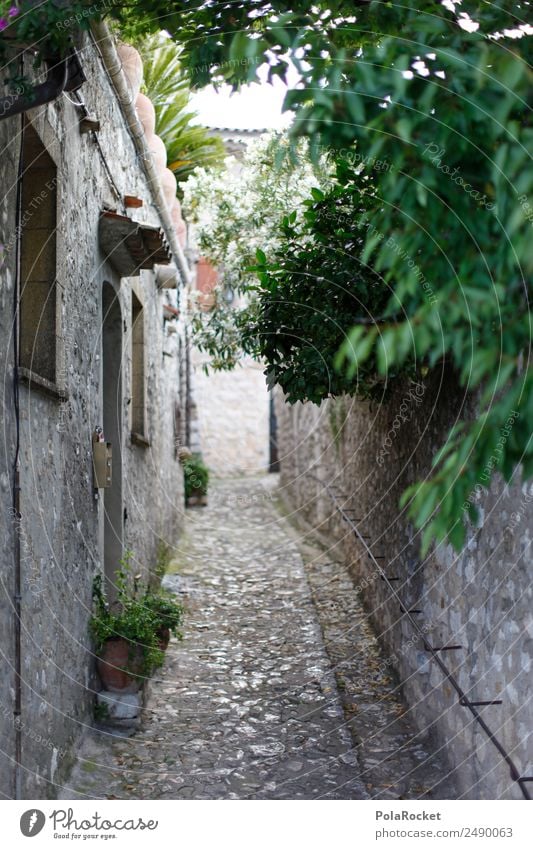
[311,288]
[442,95]
[234,212]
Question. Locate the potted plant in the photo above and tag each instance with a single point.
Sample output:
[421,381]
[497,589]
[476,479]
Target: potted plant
[196,475]
[8,12]
[184,454]
[125,633]
[168,614]
[44,26]
[132,633]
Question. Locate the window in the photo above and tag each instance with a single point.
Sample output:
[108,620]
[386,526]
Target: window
[138,427]
[37,223]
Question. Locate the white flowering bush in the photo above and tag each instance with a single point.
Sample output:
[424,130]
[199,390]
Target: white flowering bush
[234,212]
[237,210]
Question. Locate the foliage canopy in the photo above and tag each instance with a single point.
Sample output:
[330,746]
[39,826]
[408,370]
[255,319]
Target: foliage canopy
[442,95]
[440,91]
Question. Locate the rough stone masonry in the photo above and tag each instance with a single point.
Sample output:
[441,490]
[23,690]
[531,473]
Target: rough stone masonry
[61,527]
[480,600]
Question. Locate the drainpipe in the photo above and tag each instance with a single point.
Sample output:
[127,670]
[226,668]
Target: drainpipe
[16,492]
[188,399]
[106,46]
[18,642]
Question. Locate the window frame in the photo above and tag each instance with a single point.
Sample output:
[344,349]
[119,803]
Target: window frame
[50,382]
[138,426]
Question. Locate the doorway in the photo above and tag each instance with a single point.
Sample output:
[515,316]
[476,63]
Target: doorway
[273,463]
[112,424]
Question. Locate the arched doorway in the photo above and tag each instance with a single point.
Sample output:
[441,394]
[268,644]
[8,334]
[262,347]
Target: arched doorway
[112,423]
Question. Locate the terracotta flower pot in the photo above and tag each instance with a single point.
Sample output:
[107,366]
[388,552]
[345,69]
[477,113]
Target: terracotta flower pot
[170,185]
[132,65]
[175,212]
[163,635]
[181,233]
[180,227]
[146,113]
[116,656]
[184,453]
[197,498]
[158,151]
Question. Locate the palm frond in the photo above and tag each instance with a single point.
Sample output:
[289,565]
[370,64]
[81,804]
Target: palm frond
[189,145]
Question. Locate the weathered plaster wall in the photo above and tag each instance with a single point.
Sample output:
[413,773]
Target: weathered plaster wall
[233,414]
[61,525]
[481,599]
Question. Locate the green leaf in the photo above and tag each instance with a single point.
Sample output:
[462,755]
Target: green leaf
[498,381]
[427,507]
[239,46]
[404,129]
[428,535]
[355,106]
[457,534]
[422,195]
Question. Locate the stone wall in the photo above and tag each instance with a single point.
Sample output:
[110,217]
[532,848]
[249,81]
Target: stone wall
[61,530]
[8,447]
[233,413]
[480,599]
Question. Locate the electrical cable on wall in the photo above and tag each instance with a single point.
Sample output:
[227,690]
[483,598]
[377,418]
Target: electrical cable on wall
[16,478]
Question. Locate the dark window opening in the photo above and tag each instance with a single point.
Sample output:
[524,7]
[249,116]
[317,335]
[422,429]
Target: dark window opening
[38,222]
[138,425]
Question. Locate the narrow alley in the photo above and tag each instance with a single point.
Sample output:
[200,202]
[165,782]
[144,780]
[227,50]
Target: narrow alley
[266,478]
[278,690]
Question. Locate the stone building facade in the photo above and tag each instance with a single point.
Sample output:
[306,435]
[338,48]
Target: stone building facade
[84,344]
[233,418]
[235,422]
[480,600]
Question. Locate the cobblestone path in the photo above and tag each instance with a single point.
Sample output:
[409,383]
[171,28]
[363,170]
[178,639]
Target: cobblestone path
[248,706]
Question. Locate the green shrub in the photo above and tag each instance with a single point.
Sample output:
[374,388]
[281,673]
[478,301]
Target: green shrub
[166,610]
[196,476]
[137,616]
